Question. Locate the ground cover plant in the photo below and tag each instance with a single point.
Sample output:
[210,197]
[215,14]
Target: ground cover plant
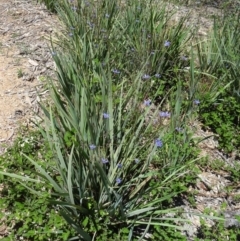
[28,216]
[219,57]
[126,89]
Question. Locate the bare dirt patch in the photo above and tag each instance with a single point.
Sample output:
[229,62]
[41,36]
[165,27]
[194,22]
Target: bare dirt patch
[25,61]
[199,18]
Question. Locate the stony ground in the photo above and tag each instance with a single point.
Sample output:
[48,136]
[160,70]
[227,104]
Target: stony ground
[25,61]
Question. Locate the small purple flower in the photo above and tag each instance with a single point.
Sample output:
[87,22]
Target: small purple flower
[164,114]
[167,43]
[107,15]
[146,77]
[157,75]
[147,102]
[70,34]
[153,52]
[137,161]
[196,102]
[119,165]
[104,161]
[118,180]
[137,20]
[92,147]
[158,143]
[105,115]
[116,71]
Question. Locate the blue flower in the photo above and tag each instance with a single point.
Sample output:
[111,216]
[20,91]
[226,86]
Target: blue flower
[116,71]
[118,180]
[92,146]
[54,53]
[146,77]
[158,143]
[107,15]
[157,75]
[164,114]
[105,115]
[119,165]
[147,102]
[196,102]
[167,43]
[70,34]
[104,161]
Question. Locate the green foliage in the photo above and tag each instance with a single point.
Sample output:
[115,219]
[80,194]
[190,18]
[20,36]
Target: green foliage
[219,57]
[217,232]
[130,38]
[30,216]
[20,73]
[115,167]
[223,118]
[50,4]
[234,173]
[167,234]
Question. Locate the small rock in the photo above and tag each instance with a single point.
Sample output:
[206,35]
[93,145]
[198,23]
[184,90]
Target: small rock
[32,62]
[231,221]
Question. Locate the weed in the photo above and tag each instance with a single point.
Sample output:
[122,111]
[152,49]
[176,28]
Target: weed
[223,118]
[217,232]
[30,217]
[20,73]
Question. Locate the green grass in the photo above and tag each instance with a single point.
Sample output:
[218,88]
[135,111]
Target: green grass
[117,151]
